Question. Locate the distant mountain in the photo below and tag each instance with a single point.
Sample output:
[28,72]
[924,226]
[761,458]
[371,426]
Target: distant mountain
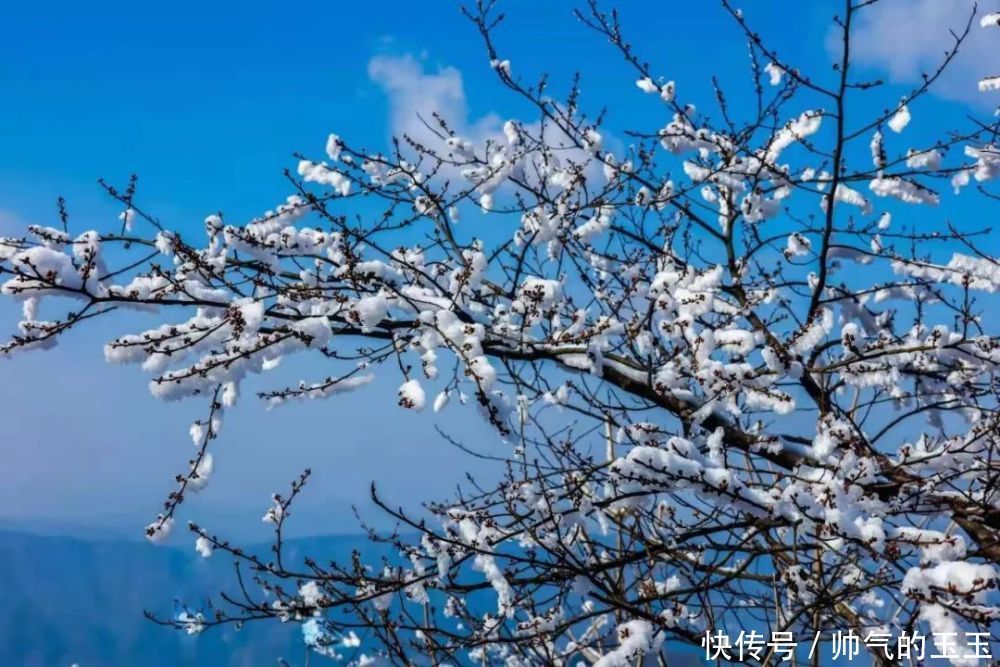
[65,600]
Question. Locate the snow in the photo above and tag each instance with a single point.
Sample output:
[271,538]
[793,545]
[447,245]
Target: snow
[201,473]
[935,546]
[900,119]
[370,311]
[677,465]
[158,531]
[316,637]
[412,396]
[635,640]
[989,84]
[774,72]
[970,580]
[666,91]
[903,190]
[334,146]
[647,86]
[878,151]
[848,195]
[312,594]
[799,129]
[501,65]
[275,513]
[193,624]
[203,546]
[128,218]
[927,159]
[978,272]
[312,172]
[798,245]
[947,635]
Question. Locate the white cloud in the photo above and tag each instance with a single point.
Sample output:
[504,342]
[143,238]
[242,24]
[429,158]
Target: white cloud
[906,38]
[415,93]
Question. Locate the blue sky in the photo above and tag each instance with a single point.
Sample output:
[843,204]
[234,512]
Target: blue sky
[207,102]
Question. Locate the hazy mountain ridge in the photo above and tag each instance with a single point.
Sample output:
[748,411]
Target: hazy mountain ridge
[68,600]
